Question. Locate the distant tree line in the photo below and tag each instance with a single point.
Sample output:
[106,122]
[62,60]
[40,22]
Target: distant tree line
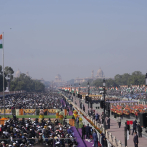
[23,82]
[136,78]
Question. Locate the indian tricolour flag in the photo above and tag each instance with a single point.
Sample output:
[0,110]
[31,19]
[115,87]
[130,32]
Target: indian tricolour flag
[1,43]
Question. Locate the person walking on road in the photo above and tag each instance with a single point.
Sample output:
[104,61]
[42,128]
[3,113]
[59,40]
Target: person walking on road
[128,127]
[102,139]
[97,117]
[105,142]
[77,122]
[135,140]
[108,122]
[139,130]
[119,121]
[95,138]
[83,132]
[134,126]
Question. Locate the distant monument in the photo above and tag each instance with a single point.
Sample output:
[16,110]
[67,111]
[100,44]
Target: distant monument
[92,74]
[58,80]
[27,73]
[18,73]
[7,89]
[100,74]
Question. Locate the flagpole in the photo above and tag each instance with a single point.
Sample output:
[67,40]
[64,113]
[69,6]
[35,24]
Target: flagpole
[3,75]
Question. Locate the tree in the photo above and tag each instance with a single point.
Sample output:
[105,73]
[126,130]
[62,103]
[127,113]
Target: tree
[9,72]
[24,82]
[98,83]
[1,83]
[126,79]
[111,83]
[1,70]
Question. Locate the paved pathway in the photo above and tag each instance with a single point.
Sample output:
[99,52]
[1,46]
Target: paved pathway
[118,132]
[79,139]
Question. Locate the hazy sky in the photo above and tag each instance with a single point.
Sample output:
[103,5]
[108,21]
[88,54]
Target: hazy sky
[74,37]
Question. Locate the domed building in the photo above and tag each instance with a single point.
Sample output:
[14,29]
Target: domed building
[58,78]
[58,81]
[27,73]
[100,74]
[18,73]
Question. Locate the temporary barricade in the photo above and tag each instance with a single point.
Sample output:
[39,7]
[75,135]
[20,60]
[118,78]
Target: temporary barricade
[18,112]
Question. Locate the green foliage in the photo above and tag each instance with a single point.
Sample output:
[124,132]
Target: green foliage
[98,82]
[1,83]
[24,82]
[137,78]
[84,84]
[9,72]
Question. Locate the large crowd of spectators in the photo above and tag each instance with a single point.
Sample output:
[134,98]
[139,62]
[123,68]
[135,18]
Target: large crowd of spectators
[33,101]
[27,132]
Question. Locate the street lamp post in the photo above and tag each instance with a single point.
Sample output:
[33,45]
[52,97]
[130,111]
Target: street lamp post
[71,89]
[79,89]
[104,84]
[88,89]
[75,89]
[146,87]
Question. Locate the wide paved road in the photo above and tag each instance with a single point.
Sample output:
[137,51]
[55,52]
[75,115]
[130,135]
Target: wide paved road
[117,132]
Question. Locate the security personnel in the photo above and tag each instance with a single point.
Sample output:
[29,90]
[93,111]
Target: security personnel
[139,130]
[135,139]
[87,131]
[134,126]
[95,138]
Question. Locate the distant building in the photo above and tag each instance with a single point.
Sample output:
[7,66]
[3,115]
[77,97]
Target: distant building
[100,75]
[17,75]
[27,73]
[40,80]
[58,81]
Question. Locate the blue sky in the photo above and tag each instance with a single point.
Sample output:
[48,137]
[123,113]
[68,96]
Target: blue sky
[74,37]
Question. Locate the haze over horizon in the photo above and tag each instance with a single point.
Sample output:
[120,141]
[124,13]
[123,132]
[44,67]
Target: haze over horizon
[72,38]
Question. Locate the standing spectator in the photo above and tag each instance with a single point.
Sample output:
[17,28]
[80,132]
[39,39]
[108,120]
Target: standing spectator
[119,121]
[93,116]
[102,118]
[139,130]
[73,117]
[128,127]
[77,122]
[87,131]
[135,139]
[83,132]
[108,122]
[95,138]
[102,140]
[136,114]
[134,126]
[97,117]
[105,142]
